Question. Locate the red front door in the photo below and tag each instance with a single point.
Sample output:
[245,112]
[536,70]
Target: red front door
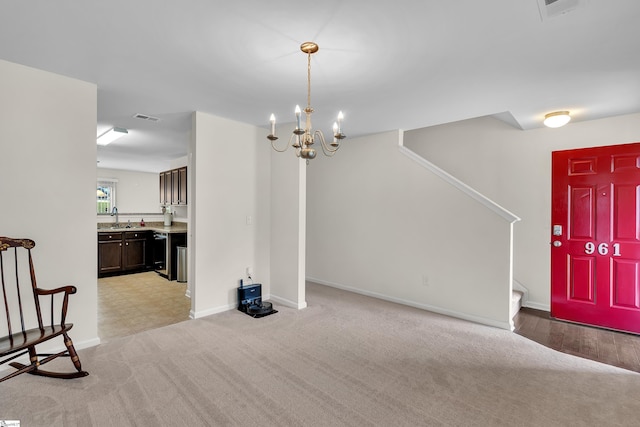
[595,236]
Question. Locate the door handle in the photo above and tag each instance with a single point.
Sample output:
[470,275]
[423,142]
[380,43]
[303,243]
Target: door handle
[557,243]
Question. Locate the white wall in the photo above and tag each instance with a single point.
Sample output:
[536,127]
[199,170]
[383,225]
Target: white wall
[288,225]
[179,162]
[380,224]
[136,192]
[229,226]
[48,164]
[513,167]
[137,195]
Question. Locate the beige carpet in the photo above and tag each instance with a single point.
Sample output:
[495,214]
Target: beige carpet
[344,360]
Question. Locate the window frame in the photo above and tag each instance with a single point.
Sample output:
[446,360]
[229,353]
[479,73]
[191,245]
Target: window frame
[109,197]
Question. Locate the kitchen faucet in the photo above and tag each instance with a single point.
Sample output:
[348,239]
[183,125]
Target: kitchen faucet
[114,211]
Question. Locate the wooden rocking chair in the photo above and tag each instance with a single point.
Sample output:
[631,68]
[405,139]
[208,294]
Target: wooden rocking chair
[16,344]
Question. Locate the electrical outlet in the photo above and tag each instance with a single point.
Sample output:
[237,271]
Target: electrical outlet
[249,220]
[425,280]
[249,271]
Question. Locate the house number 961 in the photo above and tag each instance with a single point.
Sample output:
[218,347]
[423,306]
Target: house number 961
[603,248]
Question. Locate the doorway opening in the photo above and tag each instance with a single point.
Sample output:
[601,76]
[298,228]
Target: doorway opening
[133,303]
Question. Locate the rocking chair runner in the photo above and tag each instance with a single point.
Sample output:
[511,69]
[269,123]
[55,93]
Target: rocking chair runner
[24,341]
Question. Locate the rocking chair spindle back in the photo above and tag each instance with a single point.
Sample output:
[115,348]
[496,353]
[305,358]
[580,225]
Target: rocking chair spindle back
[23,336]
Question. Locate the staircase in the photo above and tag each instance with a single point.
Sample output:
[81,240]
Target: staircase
[516,302]
[501,250]
[519,295]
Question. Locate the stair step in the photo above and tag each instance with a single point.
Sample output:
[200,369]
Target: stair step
[516,302]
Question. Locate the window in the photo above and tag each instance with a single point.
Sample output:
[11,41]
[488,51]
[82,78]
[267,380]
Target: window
[106,195]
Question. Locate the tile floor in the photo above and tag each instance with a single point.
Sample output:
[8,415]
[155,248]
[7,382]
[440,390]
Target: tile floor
[137,302]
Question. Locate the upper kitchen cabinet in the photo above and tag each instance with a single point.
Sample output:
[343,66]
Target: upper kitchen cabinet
[173,187]
[163,188]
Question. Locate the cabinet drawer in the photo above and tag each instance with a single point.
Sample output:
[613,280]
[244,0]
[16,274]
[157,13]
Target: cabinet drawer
[135,234]
[102,237]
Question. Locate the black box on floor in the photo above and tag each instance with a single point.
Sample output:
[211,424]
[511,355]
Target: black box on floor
[250,301]
[248,295]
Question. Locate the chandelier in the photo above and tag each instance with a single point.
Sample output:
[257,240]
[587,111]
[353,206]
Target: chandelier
[302,140]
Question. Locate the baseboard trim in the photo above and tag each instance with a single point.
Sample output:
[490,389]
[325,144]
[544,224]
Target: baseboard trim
[86,344]
[289,303]
[210,311]
[537,306]
[439,310]
[223,308]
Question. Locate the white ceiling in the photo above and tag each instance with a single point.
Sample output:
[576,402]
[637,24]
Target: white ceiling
[388,65]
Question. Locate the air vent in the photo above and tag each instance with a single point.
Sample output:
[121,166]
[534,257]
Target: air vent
[146,117]
[554,8]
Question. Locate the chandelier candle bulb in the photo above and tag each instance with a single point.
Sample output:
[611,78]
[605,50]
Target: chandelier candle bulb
[272,119]
[335,134]
[298,111]
[340,119]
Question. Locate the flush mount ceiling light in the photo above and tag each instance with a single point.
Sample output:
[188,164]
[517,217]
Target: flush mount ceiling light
[111,135]
[557,119]
[303,139]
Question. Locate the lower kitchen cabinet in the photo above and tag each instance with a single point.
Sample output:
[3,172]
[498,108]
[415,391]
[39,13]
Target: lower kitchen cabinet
[123,252]
[109,252]
[134,255]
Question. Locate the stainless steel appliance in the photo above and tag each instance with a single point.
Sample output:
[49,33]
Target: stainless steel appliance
[160,250]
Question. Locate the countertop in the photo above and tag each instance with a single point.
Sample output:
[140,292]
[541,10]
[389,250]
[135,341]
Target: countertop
[176,227]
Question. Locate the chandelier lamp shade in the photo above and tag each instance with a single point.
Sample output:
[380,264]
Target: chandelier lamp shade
[303,139]
[557,119]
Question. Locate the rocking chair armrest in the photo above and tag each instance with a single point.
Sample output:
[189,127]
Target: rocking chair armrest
[69,289]
[65,291]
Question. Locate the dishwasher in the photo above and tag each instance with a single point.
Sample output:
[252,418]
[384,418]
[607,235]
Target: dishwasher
[160,250]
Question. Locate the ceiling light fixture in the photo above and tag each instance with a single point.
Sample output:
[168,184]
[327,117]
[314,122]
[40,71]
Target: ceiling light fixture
[303,139]
[111,135]
[557,119]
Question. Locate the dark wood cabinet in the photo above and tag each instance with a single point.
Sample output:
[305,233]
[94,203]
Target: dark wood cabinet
[163,188]
[182,186]
[123,252]
[166,188]
[109,252]
[173,187]
[134,255]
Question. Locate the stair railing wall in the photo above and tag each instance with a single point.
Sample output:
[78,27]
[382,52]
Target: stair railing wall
[381,223]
